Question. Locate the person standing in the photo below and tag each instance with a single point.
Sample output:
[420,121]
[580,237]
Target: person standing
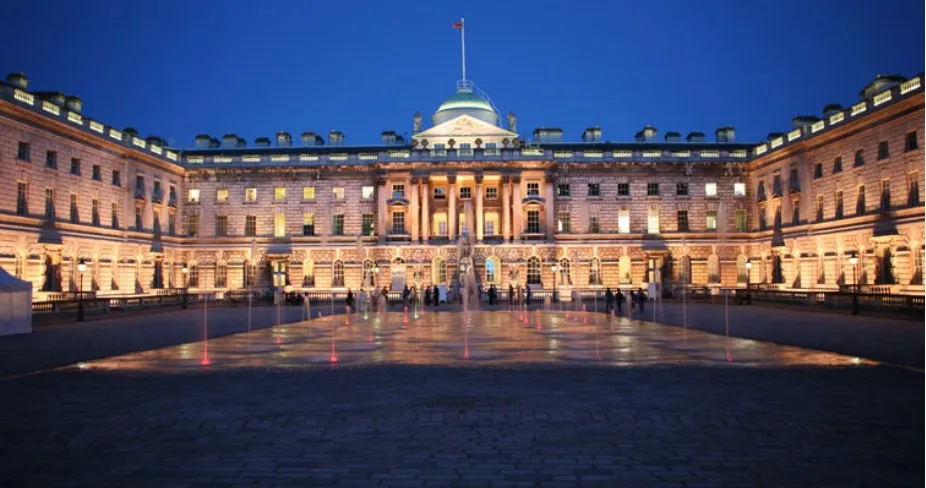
[349,301]
[427,296]
[642,299]
[510,294]
[608,300]
[405,294]
[619,298]
[527,296]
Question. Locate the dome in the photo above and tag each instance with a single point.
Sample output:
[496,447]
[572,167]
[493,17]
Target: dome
[465,102]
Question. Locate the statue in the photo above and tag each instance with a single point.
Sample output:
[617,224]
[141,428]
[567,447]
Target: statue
[512,122]
[416,125]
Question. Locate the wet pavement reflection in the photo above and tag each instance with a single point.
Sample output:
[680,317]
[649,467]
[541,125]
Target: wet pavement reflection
[490,338]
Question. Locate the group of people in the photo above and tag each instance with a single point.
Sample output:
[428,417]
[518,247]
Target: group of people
[612,300]
[376,297]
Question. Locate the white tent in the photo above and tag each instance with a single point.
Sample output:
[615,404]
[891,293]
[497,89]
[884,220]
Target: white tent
[15,305]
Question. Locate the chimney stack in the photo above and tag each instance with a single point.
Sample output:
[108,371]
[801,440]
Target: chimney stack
[74,103]
[389,137]
[203,141]
[262,142]
[284,139]
[725,134]
[802,120]
[548,135]
[832,109]
[229,141]
[336,138]
[673,136]
[695,137]
[18,80]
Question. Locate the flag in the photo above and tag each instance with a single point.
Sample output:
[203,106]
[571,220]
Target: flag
[458,24]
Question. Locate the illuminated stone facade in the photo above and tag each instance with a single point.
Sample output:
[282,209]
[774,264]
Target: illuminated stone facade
[330,215]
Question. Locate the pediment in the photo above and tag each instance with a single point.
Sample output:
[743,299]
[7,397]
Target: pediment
[464,125]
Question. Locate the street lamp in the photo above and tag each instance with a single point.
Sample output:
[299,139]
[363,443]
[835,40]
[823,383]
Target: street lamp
[853,260]
[185,270]
[554,282]
[81,267]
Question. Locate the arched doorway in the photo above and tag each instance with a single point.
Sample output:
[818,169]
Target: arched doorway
[398,274]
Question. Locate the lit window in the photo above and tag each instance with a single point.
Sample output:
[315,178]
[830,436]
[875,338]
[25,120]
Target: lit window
[279,225]
[337,192]
[652,221]
[337,225]
[221,195]
[739,189]
[711,221]
[308,193]
[366,193]
[710,189]
[563,223]
[250,194]
[623,221]
[194,195]
[279,193]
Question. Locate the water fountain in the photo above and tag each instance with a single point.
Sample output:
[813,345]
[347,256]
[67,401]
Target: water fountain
[205,330]
[467,272]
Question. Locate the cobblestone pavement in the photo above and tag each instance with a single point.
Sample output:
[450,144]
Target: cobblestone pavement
[407,426]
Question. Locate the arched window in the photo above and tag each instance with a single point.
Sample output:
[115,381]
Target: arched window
[742,275]
[624,264]
[492,271]
[439,271]
[337,274]
[594,271]
[308,273]
[221,275]
[533,270]
[193,276]
[368,272]
[565,272]
[713,269]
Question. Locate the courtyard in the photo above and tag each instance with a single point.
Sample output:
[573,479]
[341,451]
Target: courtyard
[491,398]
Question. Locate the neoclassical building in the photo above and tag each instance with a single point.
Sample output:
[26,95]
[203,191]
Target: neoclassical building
[801,207]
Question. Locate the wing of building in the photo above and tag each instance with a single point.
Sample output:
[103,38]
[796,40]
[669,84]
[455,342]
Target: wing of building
[799,208]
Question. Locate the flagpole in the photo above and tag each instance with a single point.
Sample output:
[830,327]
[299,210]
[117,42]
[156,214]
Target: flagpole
[463,45]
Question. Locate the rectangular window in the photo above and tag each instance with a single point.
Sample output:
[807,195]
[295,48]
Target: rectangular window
[491,192]
[885,195]
[710,189]
[156,191]
[652,189]
[682,218]
[221,195]
[337,193]
[681,189]
[884,150]
[777,190]
[193,195]
[760,191]
[623,221]
[172,196]
[369,225]
[913,192]
[794,181]
[75,166]
[366,192]
[820,208]
[51,159]
[221,275]
[563,190]
[763,219]
[250,225]
[279,193]
[221,225]
[440,192]
[192,226]
[860,205]
[533,221]
[171,225]
[308,224]
[818,171]
[594,224]
[95,211]
[75,217]
[563,223]
[398,191]
[117,178]
[859,158]
[466,192]
[489,227]
[250,194]
[139,185]
[652,221]
[308,192]
[398,222]
[139,219]
[837,165]
[193,280]
[912,143]
[279,225]
[594,190]
[533,189]
[839,207]
[623,189]
[97,173]
[711,222]
[337,225]
[24,152]
[114,216]
[739,189]
[740,220]
[49,204]
[22,199]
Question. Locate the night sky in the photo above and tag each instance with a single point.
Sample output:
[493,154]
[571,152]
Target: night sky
[178,68]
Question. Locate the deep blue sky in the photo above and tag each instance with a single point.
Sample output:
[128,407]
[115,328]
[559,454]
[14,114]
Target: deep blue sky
[177,68]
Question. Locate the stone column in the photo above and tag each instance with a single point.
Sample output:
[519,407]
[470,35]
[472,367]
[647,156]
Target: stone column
[506,209]
[413,209]
[452,207]
[517,219]
[381,199]
[479,217]
[548,206]
[425,213]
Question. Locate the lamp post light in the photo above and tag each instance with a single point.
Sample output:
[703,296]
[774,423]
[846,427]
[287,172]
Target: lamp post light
[553,267]
[853,260]
[81,267]
[185,270]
